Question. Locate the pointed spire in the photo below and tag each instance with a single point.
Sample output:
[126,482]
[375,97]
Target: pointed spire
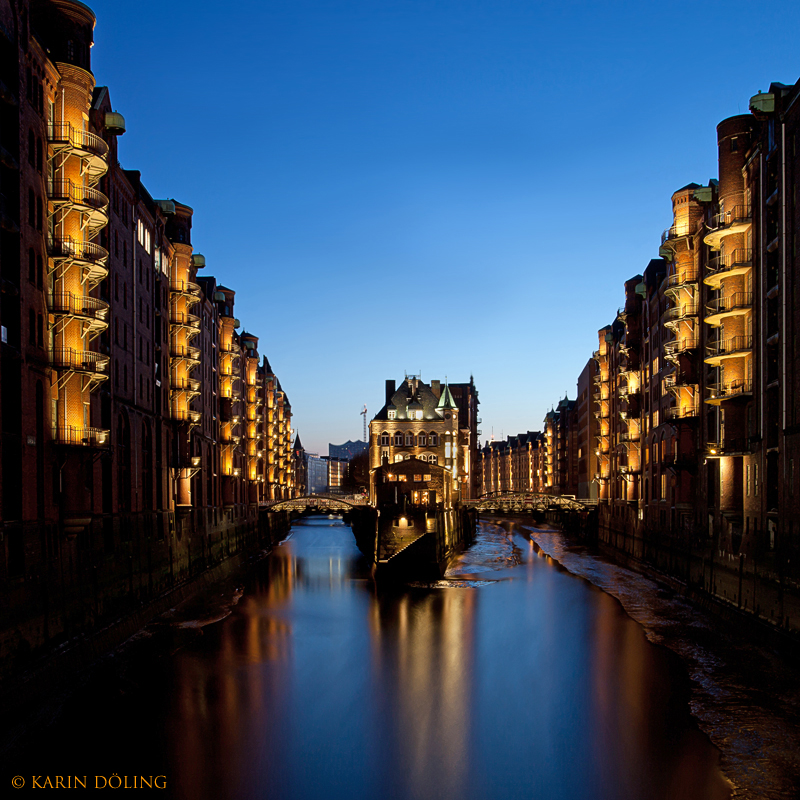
[446,400]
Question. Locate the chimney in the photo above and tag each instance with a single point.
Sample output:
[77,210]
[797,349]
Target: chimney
[436,388]
[390,390]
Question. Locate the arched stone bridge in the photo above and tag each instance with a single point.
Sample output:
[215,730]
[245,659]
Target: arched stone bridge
[318,502]
[507,502]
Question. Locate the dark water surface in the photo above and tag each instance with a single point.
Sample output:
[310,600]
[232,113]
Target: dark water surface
[511,678]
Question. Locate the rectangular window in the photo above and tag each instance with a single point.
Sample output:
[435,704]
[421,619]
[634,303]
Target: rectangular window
[426,477]
[417,478]
[402,478]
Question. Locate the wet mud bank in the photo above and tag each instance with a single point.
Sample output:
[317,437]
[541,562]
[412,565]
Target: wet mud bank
[744,686]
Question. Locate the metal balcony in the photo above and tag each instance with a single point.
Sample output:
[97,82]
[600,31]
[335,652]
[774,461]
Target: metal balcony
[731,305]
[674,316]
[187,289]
[92,149]
[673,284]
[69,196]
[677,346]
[719,393]
[91,258]
[90,311]
[734,220]
[81,437]
[729,447]
[81,361]
[737,262]
[185,352]
[683,412]
[188,385]
[735,347]
[675,232]
[187,415]
[183,319]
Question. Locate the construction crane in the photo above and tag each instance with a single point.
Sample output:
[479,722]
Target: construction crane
[364,414]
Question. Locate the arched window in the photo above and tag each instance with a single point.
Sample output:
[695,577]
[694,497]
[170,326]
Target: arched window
[409,439]
[421,440]
[384,439]
[398,439]
[434,440]
[398,457]
[432,459]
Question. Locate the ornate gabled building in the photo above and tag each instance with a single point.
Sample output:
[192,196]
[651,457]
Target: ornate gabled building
[421,421]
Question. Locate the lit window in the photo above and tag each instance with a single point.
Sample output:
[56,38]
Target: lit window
[392,414]
[402,478]
[392,477]
[426,477]
[433,460]
[398,457]
[417,478]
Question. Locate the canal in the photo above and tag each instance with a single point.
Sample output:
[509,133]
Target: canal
[511,678]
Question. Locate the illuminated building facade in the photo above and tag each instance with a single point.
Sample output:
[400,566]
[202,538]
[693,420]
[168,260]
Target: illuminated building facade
[133,413]
[696,384]
[422,421]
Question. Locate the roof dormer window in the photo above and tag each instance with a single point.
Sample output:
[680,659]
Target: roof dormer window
[392,414]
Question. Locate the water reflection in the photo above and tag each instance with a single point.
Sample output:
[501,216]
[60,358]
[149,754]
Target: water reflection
[322,685]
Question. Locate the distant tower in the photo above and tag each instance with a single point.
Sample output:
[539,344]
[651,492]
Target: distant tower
[364,414]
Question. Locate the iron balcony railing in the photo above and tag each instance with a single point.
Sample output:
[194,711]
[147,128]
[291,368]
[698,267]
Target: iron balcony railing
[69,192]
[185,287]
[84,437]
[185,385]
[725,347]
[678,313]
[78,360]
[729,445]
[731,389]
[736,259]
[184,319]
[69,304]
[682,412]
[187,415]
[675,232]
[737,215]
[185,351]
[66,134]
[722,305]
[79,249]
[679,279]
[680,346]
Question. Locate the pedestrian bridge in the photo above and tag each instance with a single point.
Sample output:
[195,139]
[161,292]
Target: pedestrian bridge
[324,503]
[507,502]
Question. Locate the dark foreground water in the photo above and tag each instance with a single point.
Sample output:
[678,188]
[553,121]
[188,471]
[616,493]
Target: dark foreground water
[509,679]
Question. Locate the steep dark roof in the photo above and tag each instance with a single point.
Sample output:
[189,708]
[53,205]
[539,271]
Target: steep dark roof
[403,397]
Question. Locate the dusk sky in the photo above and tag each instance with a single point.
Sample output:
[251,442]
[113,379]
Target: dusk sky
[444,188]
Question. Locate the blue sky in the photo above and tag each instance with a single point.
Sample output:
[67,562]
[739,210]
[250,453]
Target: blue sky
[455,188]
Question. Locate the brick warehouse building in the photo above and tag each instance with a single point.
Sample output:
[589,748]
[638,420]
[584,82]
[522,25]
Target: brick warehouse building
[428,422]
[136,419]
[697,377]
